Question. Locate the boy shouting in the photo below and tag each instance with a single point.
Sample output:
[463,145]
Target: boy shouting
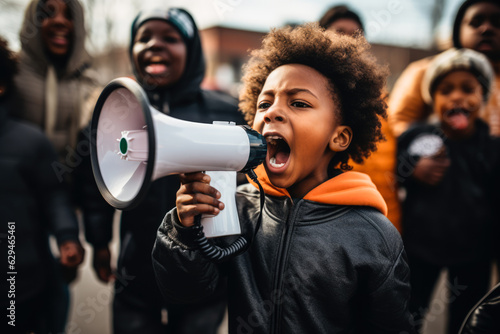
[326,259]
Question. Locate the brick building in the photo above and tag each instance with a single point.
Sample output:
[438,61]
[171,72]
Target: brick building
[227,49]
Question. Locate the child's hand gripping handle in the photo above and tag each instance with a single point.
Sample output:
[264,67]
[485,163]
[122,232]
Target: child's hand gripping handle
[197,197]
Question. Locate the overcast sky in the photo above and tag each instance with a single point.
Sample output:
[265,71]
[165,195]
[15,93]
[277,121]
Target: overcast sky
[395,22]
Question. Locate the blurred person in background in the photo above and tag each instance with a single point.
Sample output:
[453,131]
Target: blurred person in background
[33,204]
[450,173]
[380,166]
[168,62]
[55,76]
[477,27]
[342,20]
[53,82]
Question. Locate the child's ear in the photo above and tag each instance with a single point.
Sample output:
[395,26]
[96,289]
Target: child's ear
[2,89]
[341,138]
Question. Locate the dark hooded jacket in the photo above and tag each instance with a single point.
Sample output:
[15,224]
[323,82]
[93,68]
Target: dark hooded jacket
[73,83]
[451,223]
[32,198]
[186,101]
[327,263]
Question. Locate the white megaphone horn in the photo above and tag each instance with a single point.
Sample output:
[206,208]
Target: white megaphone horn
[133,144]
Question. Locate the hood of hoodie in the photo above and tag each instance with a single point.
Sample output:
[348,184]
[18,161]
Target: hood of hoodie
[32,45]
[460,16]
[193,75]
[348,188]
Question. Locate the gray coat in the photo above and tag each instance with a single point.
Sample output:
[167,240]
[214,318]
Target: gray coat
[75,81]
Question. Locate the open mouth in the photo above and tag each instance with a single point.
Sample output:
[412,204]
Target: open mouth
[457,118]
[155,66]
[59,38]
[485,43]
[278,152]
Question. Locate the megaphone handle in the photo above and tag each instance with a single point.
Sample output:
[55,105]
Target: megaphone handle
[217,254]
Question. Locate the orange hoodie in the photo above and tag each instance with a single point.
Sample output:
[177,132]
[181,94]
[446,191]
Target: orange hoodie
[348,188]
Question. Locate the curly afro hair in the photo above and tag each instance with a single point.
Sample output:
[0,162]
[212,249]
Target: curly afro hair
[356,80]
[8,67]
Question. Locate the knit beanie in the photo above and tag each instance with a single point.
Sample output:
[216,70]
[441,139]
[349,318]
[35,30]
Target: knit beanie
[460,16]
[453,60]
[179,18]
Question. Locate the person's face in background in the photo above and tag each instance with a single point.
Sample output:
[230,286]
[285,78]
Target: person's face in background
[480,29]
[458,98]
[159,54]
[57,28]
[345,27]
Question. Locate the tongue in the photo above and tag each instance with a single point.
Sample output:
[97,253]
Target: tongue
[156,68]
[281,157]
[458,121]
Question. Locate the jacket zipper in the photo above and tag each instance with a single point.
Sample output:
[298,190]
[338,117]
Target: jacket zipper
[280,267]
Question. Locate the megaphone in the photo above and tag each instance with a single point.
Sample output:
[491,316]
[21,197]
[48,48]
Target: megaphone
[133,144]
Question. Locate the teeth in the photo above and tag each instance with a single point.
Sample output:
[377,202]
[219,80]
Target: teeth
[273,139]
[155,59]
[273,163]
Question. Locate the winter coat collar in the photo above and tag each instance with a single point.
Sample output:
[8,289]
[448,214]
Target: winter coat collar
[348,188]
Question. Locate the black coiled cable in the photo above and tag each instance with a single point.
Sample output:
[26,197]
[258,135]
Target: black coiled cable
[217,254]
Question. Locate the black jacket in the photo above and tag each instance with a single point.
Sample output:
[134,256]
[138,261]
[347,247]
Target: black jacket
[312,268]
[32,197]
[451,223]
[484,318]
